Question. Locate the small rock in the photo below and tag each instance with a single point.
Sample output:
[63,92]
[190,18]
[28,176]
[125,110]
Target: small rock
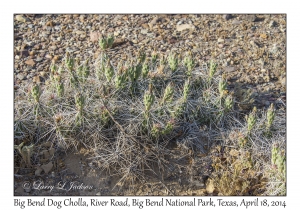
[227,17]
[38,171]
[21,18]
[229,69]
[17,57]
[56,57]
[46,154]
[94,36]
[24,53]
[210,186]
[250,18]
[172,40]
[37,46]
[116,33]
[264,36]
[236,22]
[220,40]
[38,59]
[20,76]
[32,53]
[145,26]
[184,27]
[272,24]
[159,38]
[283,81]
[43,74]
[81,18]
[80,32]
[51,151]
[48,56]
[49,23]
[30,62]
[198,184]
[153,22]
[144,31]
[47,168]
[53,48]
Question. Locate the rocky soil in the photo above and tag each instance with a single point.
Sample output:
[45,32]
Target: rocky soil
[250,50]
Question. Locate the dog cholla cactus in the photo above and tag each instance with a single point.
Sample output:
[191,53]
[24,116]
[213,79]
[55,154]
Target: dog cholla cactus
[148,98]
[36,93]
[168,128]
[109,71]
[79,102]
[278,159]
[26,152]
[103,43]
[222,86]
[120,79]
[168,94]
[69,62]
[186,90]
[173,61]
[145,68]
[156,130]
[141,56]
[106,42]
[154,56]
[110,40]
[212,70]
[228,103]
[189,63]
[83,71]
[251,120]
[60,89]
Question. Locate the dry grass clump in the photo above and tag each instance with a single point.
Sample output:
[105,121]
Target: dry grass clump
[129,114]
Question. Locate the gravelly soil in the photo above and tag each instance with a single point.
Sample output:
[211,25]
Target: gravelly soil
[250,49]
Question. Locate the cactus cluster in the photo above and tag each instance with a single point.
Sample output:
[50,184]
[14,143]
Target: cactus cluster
[106,42]
[130,116]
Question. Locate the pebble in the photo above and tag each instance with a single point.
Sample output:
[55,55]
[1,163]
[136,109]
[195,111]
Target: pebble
[24,53]
[184,27]
[272,24]
[227,17]
[21,76]
[220,40]
[144,31]
[230,69]
[38,59]
[250,18]
[236,22]
[21,18]
[30,62]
